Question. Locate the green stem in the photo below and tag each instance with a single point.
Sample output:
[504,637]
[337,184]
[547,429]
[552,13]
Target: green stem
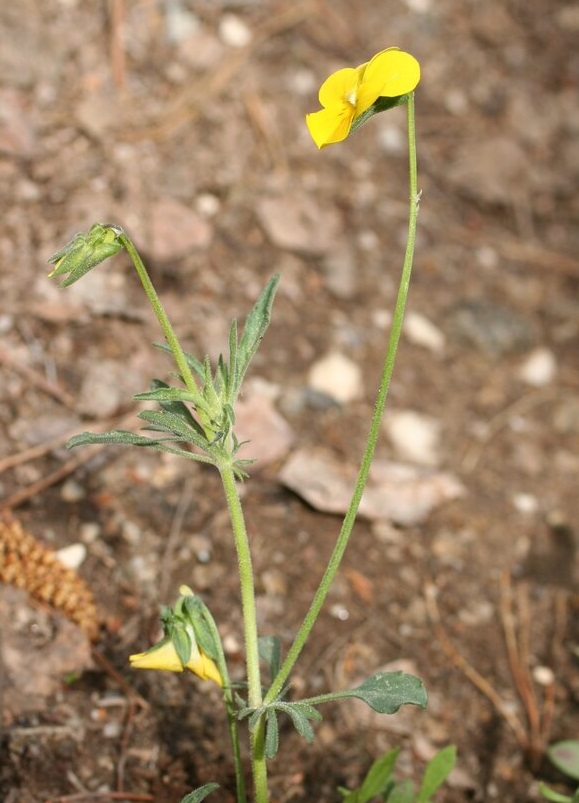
[250,628]
[350,517]
[229,706]
[155,302]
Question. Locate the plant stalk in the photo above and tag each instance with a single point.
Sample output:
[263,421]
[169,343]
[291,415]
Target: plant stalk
[374,432]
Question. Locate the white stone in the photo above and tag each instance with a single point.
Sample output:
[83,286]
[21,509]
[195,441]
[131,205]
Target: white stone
[539,368]
[543,675]
[420,331]
[233,31]
[338,377]
[415,437]
[526,503]
[72,556]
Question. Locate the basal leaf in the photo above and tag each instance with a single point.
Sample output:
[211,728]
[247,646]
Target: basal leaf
[197,795]
[437,771]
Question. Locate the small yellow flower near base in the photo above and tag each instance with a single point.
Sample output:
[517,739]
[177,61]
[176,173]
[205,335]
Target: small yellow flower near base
[164,656]
[348,93]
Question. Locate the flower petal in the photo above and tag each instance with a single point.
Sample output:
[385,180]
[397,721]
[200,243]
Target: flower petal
[396,71]
[161,656]
[204,667]
[330,125]
[338,87]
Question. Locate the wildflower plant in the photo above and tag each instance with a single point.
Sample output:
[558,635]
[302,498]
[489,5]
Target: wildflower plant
[195,419]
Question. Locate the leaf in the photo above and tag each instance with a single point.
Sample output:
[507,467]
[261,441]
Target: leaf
[550,794]
[164,421]
[378,776]
[255,327]
[401,793]
[197,795]
[271,734]
[193,363]
[182,643]
[300,714]
[565,756]
[122,437]
[177,407]
[386,692]
[437,771]
[270,653]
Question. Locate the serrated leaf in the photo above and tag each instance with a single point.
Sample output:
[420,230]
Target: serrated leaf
[271,734]
[437,771]
[555,797]
[197,795]
[270,653]
[565,756]
[401,793]
[255,327]
[387,692]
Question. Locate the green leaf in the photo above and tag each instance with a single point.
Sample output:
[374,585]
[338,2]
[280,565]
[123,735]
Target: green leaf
[271,734]
[166,394]
[192,361]
[163,421]
[197,795]
[437,771]
[565,756]
[378,777]
[300,714]
[378,780]
[401,793]
[270,653]
[121,437]
[387,692]
[177,408]
[550,794]
[255,327]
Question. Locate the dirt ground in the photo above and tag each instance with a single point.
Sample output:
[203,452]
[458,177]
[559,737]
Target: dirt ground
[183,121]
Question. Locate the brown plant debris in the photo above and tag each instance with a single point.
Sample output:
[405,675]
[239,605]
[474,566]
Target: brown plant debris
[28,564]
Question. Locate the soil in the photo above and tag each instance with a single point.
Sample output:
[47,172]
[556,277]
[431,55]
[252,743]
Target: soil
[184,123]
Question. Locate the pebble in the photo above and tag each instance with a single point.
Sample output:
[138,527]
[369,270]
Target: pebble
[539,368]
[491,328]
[233,31]
[341,273]
[176,229]
[526,503]
[103,389]
[72,556]
[180,24]
[415,437]
[338,377]
[72,491]
[543,675]
[420,331]
[297,223]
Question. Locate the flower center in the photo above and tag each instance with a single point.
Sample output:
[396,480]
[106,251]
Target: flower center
[351,97]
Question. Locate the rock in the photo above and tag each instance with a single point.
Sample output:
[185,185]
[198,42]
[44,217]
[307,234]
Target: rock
[337,377]
[420,331]
[415,437]
[106,386]
[491,170]
[72,556]
[491,328]
[268,435]
[39,648]
[539,368]
[176,230]
[341,271]
[400,493]
[233,31]
[297,223]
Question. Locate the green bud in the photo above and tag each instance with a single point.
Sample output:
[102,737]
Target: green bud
[85,251]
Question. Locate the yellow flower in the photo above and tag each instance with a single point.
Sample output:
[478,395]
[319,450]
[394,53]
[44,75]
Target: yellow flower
[349,92]
[164,656]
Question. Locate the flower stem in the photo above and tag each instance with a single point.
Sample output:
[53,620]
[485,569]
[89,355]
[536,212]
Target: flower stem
[250,628]
[241,795]
[155,302]
[350,517]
